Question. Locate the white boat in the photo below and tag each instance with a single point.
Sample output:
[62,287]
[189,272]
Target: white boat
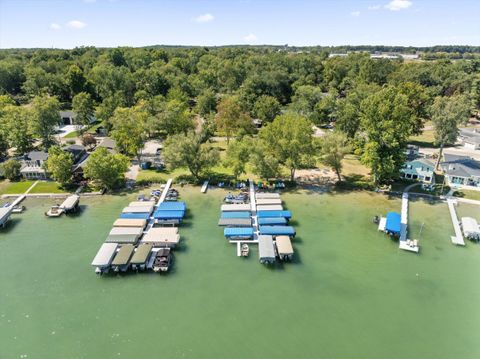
[55,211]
[245,250]
[18,209]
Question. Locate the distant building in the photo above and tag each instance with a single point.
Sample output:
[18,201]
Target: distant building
[412,152]
[470,138]
[78,152]
[461,171]
[419,169]
[68,118]
[32,165]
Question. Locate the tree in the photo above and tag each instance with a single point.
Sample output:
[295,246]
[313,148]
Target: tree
[59,164]
[187,150]
[289,139]
[173,117]
[447,113]
[263,163]
[231,118]
[45,117]
[75,80]
[305,100]
[88,140]
[386,118]
[206,103]
[129,130]
[266,108]
[105,168]
[333,148]
[82,105]
[11,169]
[238,155]
[17,127]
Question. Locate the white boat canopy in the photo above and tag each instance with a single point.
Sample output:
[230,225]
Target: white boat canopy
[70,201]
[284,245]
[265,247]
[105,255]
[141,204]
[131,231]
[235,207]
[144,209]
[268,201]
[162,236]
[275,207]
[470,228]
[267,195]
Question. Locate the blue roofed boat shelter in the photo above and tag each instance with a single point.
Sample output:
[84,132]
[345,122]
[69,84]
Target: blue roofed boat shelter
[272,221]
[135,215]
[172,206]
[277,230]
[238,232]
[393,223]
[270,214]
[164,215]
[235,215]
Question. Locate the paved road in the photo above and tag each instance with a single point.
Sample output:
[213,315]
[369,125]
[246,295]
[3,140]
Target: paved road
[457,150]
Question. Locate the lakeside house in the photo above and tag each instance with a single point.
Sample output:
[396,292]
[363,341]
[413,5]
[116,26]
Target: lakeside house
[470,138]
[419,169]
[32,165]
[461,171]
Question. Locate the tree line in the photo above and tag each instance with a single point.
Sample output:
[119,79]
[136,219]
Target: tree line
[187,95]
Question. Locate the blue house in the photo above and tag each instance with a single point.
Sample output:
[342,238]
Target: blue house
[419,169]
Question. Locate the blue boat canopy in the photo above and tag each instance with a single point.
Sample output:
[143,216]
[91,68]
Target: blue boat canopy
[168,215]
[172,206]
[270,214]
[393,224]
[277,230]
[277,221]
[235,215]
[135,215]
[240,232]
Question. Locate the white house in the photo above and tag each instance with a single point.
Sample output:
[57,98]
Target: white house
[32,165]
[419,169]
[470,138]
[68,118]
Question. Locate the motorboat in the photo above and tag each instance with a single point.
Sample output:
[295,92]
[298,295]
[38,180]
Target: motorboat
[54,211]
[163,260]
[18,209]
[244,250]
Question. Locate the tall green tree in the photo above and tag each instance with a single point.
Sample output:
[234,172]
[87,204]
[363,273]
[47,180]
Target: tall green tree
[289,139]
[105,168]
[11,169]
[45,117]
[333,148]
[447,114]
[59,165]
[18,133]
[386,119]
[129,130]
[82,105]
[231,119]
[187,150]
[266,108]
[206,103]
[75,80]
[238,155]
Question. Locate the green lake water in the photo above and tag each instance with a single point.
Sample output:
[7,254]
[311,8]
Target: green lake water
[350,293]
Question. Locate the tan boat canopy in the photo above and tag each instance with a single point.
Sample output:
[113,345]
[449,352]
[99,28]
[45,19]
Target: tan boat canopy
[162,236]
[284,245]
[126,222]
[123,255]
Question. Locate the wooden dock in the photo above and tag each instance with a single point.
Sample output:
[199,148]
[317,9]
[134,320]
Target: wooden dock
[404,243]
[204,187]
[458,238]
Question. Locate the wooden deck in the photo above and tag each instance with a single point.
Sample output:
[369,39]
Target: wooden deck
[458,238]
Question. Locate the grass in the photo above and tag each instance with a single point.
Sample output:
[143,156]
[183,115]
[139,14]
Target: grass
[153,176]
[73,134]
[470,194]
[426,139]
[48,187]
[15,187]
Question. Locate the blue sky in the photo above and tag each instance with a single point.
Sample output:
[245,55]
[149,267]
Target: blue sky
[70,23]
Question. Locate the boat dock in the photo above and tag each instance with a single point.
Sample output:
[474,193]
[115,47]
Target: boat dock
[404,243]
[145,232]
[259,222]
[458,238]
[204,187]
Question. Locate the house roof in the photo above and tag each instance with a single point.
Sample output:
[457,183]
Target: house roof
[423,161]
[460,166]
[68,114]
[36,156]
[470,136]
[107,142]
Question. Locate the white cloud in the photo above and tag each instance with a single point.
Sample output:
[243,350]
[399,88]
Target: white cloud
[250,38]
[374,7]
[396,5]
[204,18]
[355,13]
[76,24]
[55,26]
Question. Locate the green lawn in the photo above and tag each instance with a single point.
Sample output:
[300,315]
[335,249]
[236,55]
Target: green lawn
[426,139]
[15,187]
[153,176]
[465,193]
[47,187]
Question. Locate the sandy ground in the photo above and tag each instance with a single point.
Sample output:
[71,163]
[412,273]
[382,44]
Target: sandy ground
[316,176]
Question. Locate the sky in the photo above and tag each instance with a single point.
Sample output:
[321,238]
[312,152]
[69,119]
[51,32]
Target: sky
[110,23]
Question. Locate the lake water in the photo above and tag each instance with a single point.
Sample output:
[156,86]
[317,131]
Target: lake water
[350,293]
